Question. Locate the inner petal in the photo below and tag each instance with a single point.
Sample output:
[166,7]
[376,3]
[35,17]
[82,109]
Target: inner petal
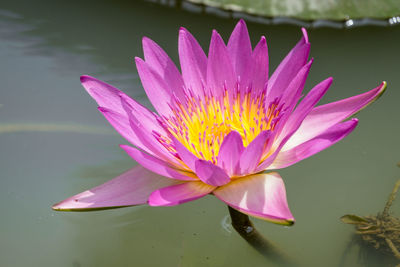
[201,125]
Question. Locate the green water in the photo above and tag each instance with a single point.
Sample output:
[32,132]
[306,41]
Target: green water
[46,46]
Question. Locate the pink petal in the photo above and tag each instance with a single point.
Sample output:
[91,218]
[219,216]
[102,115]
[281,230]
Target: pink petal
[260,65]
[193,62]
[158,166]
[331,136]
[251,156]
[122,126]
[260,195]
[292,93]
[130,188]
[220,71]
[108,96]
[239,49]
[325,116]
[289,67]
[157,90]
[178,194]
[147,128]
[229,153]
[290,97]
[117,113]
[187,157]
[211,174]
[159,61]
[305,106]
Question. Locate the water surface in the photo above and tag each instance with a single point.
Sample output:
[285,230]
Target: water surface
[44,49]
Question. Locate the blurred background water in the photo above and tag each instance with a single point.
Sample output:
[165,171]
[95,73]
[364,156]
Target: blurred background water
[54,143]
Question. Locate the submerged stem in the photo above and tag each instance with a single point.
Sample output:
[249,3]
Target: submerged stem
[242,224]
[391,198]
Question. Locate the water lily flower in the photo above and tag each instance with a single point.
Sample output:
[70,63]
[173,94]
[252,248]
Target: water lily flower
[222,125]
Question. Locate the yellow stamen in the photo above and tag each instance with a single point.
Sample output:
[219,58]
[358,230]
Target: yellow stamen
[201,126]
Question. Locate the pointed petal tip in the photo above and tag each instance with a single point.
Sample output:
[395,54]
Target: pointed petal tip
[241,23]
[380,90]
[355,121]
[284,222]
[146,39]
[305,35]
[287,222]
[383,87]
[56,207]
[73,204]
[68,205]
[138,60]
[123,146]
[215,33]
[102,109]
[327,83]
[84,78]
[184,32]
[146,42]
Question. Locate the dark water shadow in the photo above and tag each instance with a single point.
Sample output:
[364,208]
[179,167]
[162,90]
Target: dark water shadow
[242,224]
[366,254]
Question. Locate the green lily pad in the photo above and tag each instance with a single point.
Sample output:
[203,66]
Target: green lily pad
[310,9]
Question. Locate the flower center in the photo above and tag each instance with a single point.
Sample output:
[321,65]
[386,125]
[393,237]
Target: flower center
[201,125]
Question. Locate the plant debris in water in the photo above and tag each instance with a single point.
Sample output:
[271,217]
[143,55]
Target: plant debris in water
[381,231]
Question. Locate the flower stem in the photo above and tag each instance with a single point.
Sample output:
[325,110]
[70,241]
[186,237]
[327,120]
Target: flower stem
[242,224]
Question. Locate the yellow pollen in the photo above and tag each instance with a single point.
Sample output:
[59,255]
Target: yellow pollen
[201,126]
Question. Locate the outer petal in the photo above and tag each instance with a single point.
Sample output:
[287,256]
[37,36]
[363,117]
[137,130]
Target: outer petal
[105,95]
[211,174]
[157,90]
[325,116]
[219,68]
[292,93]
[251,156]
[290,98]
[130,188]
[159,61]
[147,128]
[118,109]
[259,68]
[178,194]
[259,195]
[193,62]
[108,96]
[289,67]
[122,126]
[239,49]
[156,165]
[306,105]
[230,152]
[331,136]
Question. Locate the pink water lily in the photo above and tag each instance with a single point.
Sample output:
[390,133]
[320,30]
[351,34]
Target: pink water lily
[221,126]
